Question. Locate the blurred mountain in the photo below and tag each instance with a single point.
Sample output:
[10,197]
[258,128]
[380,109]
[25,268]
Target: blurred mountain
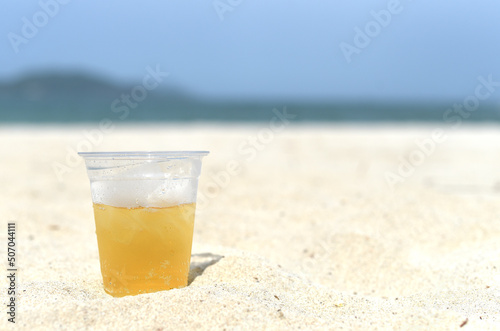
[57,97]
[77,97]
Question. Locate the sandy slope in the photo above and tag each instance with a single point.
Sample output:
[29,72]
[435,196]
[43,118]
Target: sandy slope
[306,233]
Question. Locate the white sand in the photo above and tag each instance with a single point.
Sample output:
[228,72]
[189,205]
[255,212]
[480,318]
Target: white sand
[308,234]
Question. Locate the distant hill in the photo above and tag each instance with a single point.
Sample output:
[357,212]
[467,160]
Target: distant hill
[56,86]
[77,97]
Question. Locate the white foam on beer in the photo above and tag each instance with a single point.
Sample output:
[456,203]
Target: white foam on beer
[139,186]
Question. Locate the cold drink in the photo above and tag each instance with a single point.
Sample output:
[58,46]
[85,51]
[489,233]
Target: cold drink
[144,249]
[144,206]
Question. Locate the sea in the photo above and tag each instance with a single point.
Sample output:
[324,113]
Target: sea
[68,98]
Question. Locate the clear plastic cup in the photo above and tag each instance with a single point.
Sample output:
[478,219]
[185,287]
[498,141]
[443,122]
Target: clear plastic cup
[144,207]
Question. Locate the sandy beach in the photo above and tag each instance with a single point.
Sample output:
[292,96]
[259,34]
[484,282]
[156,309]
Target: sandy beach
[297,227]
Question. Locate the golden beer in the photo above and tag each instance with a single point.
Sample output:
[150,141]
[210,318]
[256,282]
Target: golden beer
[144,249]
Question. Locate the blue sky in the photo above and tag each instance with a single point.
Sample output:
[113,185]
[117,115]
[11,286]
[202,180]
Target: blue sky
[261,48]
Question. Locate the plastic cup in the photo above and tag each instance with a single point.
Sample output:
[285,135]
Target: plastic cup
[144,208]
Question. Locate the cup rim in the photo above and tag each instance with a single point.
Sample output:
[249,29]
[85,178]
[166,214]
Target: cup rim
[142,154]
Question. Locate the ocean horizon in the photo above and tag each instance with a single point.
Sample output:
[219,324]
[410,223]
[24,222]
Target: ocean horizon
[74,98]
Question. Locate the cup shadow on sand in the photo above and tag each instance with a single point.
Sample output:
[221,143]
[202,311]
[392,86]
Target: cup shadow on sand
[199,262]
